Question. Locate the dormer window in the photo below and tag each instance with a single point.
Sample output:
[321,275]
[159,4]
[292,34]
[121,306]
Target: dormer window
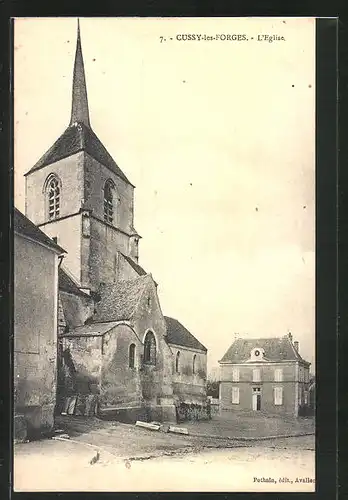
[108,203]
[53,199]
[257,354]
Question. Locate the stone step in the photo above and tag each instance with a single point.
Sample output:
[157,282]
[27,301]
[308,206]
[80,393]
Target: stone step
[147,425]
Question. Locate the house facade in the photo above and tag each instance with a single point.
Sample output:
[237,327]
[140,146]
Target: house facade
[264,375]
[115,346]
[37,260]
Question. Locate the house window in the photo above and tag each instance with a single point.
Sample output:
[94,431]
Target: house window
[53,199]
[177,362]
[194,364]
[278,395]
[256,375]
[150,349]
[278,375]
[235,395]
[235,374]
[131,357]
[108,203]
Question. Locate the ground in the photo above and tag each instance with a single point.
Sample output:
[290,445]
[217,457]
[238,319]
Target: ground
[110,456]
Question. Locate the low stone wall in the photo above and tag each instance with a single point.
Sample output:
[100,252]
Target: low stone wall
[127,415]
[186,411]
[38,420]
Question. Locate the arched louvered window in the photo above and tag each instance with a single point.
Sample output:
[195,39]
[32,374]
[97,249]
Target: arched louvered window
[177,362]
[108,202]
[150,349]
[131,357]
[53,190]
[194,364]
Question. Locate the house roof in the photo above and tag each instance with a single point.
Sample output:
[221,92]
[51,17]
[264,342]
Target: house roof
[67,284]
[79,137]
[179,335]
[91,330]
[120,299]
[134,265]
[276,349]
[26,227]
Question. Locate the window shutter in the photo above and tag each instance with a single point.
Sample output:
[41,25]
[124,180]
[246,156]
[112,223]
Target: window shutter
[235,395]
[278,395]
[235,375]
[256,375]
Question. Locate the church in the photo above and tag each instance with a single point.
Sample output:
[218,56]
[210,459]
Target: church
[114,345]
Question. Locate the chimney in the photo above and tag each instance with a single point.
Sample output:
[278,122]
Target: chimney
[296,345]
[236,335]
[290,336]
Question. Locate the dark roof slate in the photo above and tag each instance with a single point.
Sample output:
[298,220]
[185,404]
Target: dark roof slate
[179,335]
[79,137]
[26,227]
[118,301]
[134,265]
[94,329]
[67,284]
[276,349]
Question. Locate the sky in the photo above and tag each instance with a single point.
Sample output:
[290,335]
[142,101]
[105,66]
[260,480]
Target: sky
[219,139]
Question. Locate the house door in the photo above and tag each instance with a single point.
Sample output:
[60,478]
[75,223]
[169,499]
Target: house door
[256,399]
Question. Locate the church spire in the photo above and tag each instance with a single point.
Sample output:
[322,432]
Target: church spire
[79,109]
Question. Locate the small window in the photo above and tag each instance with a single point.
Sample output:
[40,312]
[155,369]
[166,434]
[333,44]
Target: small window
[53,199]
[235,395]
[194,364]
[278,375]
[132,356]
[256,375]
[278,396]
[108,203]
[235,374]
[177,362]
[150,349]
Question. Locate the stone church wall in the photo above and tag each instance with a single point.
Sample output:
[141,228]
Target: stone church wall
[105,241]
[95,177]
[120,383]
[70,173]
[77,309]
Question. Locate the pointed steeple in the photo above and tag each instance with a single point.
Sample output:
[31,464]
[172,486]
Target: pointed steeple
[79,109]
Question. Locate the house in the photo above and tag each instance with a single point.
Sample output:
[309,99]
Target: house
[265,374]
[115,346]
[37,260]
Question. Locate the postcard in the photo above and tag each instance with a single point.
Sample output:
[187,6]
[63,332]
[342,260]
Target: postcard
[164,249]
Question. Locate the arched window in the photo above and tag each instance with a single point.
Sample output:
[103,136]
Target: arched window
[53,190]
[131,357]
[177,362]
[150,349]
[194,364]
[108,203]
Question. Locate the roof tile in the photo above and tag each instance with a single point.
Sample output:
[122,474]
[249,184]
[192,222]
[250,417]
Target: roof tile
[26,227]
[276,349]
[179,335]
[119,299]
[78,137]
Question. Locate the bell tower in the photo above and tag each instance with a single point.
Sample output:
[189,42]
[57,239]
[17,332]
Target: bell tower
[77,194]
